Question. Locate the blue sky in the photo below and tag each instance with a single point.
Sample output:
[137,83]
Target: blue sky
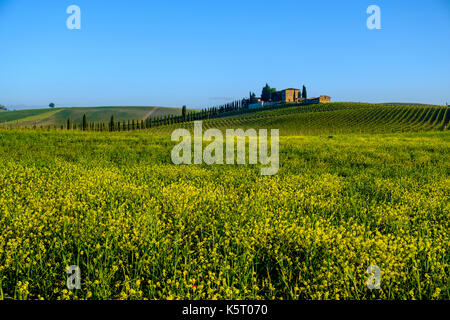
[203,53]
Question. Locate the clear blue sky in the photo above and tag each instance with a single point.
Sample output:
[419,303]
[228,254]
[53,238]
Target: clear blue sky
[202,53]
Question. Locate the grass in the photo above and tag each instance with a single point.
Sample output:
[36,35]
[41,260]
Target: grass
[35,118]
[7,116]
[59,116]
[140,227]
[333,118]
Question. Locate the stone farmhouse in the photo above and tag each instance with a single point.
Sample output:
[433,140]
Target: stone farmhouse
[290,95]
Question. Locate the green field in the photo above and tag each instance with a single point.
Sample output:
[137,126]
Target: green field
[59,116]
[334,118]
[358,185]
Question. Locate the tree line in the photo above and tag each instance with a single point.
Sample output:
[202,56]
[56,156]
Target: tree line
[230,108]
[130,125]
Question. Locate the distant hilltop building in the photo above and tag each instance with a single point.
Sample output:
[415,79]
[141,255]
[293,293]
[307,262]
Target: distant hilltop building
[321,99]
[290,95]
[286,95]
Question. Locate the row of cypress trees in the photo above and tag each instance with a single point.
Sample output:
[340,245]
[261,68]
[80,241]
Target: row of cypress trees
[238,106]
[150,122]
[129,125]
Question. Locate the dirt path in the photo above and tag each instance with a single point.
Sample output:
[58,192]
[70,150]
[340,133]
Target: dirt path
[149,113]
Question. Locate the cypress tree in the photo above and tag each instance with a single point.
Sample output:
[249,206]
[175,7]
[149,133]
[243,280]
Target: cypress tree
[111,123]
[304,94]
[183,113]
[84,122]
[68,124]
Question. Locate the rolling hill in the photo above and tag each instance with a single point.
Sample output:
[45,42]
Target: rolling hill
[333,118]
[330,118]
[59,116]
[116,205]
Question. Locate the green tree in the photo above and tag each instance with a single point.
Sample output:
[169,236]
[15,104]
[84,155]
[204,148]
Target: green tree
[84,122]
[183,113]
[51,105]
[111,123]
[266,94]
[304,94]
[68,123]
[2,107]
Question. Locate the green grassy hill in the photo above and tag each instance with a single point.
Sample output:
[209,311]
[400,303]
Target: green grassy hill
[139,226]
[334,118]
[11,116]
[59,116]
[331,118]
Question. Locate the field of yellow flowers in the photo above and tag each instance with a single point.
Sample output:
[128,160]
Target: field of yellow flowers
[140,227]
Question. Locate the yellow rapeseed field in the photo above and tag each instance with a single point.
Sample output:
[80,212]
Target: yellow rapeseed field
[140,227]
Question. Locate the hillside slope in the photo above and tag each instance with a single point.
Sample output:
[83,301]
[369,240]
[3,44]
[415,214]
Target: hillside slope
[333,118]
[59,116]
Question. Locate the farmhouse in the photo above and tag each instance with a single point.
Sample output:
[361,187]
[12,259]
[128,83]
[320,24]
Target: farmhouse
[286,95]
[290,95]
[321,99]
